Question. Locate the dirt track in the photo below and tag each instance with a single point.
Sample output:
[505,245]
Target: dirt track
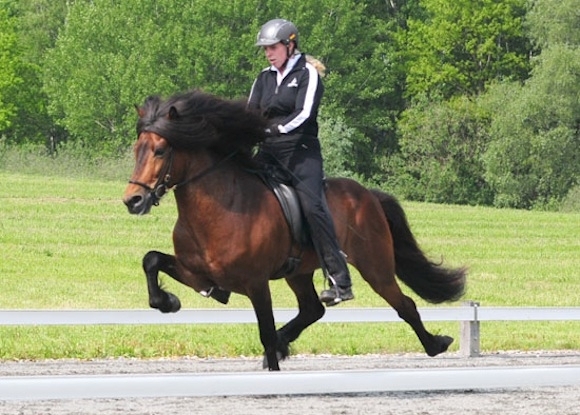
[540,401]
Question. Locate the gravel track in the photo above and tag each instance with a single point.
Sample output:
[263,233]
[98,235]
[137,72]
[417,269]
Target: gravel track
[525,401]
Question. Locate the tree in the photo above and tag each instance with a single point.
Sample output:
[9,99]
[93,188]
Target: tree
[338,141]
[534,157]
[363,83]
[453,51]
[442,144]
[8,68]
[553,22]
[462,45]
[111,55]
[36,26]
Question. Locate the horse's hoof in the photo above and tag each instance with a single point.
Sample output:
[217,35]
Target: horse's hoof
[171,304]
[441,344]
[265,364]
[176,304]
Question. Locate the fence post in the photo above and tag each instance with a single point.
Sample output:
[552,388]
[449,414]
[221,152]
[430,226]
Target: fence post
[469,344]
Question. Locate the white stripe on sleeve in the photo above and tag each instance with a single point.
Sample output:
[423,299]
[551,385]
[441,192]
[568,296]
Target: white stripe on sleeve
[308,102]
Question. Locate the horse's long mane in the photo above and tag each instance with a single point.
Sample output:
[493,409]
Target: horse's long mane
[196,120]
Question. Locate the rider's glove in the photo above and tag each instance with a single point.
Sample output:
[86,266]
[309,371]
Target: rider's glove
[272,131]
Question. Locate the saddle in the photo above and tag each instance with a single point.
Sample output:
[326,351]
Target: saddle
[276,181]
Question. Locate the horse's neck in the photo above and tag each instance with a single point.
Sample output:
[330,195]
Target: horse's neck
[213,185]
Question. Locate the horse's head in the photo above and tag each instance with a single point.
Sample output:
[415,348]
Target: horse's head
[193,122]
[152,173]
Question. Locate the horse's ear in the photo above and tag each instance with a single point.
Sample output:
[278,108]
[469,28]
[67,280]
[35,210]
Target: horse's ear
[140,111]
[173,114]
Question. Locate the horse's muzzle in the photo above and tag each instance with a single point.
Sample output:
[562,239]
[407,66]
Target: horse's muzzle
[138,204]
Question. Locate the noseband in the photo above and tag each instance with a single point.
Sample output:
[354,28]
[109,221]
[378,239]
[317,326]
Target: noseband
[162,186]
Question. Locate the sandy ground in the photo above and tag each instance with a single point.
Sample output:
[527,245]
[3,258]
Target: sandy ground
[536,401]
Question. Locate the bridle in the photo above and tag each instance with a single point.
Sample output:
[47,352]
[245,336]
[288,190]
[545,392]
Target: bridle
[162,185]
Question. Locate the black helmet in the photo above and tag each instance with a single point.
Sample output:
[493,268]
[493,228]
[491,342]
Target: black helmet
[277,30]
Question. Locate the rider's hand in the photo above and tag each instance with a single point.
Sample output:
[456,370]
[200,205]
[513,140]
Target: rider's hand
[272,131]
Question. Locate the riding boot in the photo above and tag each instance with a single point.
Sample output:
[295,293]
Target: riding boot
[340,285]
[217,293]
[220,295]
[332,259]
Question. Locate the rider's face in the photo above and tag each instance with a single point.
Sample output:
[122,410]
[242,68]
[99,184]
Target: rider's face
[276,54]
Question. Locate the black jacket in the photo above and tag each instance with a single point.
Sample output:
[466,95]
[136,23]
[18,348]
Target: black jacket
[294,103]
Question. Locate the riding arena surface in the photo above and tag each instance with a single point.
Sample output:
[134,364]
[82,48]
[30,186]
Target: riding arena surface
[518,401]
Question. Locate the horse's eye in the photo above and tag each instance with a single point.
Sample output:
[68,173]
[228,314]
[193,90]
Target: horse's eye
[159,152]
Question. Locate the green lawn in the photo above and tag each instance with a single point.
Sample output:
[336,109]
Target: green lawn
[70,244]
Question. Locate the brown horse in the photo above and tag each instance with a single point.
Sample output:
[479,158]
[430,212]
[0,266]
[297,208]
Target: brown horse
[231,234]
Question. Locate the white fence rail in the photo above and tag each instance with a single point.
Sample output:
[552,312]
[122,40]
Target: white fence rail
[157,385]
[469,315]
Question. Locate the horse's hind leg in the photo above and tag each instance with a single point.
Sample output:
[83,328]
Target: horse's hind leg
[310,311]
[374,257]
[407,310]
[153,262]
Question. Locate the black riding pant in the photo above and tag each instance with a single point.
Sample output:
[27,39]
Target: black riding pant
[301,157]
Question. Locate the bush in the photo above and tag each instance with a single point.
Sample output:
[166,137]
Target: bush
[442,143]
[70,160]
[572,201]
[341,148]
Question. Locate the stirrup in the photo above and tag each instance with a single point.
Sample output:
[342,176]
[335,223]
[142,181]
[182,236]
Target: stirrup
[335,295]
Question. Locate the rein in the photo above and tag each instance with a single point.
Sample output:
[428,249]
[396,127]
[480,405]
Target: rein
[162,186]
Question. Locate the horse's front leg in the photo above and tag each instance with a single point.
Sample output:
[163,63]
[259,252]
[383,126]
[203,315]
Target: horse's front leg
[153,262]
[262,302]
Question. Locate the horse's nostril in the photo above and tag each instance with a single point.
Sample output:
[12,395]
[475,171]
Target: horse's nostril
[134,201]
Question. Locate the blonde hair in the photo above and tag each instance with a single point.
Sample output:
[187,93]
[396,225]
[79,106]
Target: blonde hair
[317,64]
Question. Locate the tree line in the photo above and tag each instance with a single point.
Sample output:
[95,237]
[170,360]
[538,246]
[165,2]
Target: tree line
[470,102]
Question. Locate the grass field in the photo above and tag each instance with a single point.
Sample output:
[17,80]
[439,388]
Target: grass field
[70,244]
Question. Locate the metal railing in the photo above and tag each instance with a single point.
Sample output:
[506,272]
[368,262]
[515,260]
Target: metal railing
[469,315]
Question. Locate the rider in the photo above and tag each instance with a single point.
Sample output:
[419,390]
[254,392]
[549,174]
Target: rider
[288,93]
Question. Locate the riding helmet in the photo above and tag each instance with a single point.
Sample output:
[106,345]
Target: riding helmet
[277,30]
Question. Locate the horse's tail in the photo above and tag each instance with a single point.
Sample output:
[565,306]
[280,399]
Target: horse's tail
[431,281]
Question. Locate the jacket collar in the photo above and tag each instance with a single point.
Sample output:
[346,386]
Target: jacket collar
[293,62]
